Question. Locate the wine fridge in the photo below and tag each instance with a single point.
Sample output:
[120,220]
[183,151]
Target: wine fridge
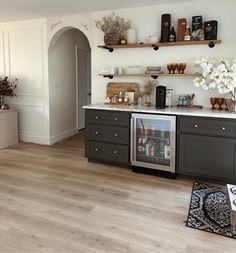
[153,141]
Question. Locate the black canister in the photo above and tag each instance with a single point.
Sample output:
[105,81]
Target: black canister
[160,97]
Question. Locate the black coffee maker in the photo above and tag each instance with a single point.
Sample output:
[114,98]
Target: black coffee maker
[160,97]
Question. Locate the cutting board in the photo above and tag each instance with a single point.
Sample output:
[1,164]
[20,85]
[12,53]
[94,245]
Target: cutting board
[115,88]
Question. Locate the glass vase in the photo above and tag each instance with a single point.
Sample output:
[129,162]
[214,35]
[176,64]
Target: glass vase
[2,101]
[230,101]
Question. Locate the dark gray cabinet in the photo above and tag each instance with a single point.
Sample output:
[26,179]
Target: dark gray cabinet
[207,148]
[107,136]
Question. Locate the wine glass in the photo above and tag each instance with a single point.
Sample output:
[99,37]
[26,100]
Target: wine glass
[183,67]
[173,67]
[213,103]
[220,102]
[178,66]
[169,68]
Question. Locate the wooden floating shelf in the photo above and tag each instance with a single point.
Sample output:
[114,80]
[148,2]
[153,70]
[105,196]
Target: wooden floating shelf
[210,43]
[153,75]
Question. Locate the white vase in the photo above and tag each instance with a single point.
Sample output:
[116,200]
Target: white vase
[131,36]
[230,101]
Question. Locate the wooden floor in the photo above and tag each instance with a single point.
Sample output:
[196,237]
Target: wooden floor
[53,200]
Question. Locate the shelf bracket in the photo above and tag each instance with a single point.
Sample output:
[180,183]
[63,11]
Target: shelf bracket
[155,47]
[109,49]
[211,44]
[154,76]
[108,76]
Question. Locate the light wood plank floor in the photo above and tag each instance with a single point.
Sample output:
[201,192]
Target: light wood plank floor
[53,200]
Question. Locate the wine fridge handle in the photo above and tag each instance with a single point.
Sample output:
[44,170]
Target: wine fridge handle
[132,140]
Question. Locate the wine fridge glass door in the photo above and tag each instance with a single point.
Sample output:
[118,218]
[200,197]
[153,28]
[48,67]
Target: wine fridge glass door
[154,141]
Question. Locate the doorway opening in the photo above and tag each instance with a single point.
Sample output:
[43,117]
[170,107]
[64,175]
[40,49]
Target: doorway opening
[69,82]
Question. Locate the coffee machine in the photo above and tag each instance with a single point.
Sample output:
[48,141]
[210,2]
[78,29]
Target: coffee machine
[160,97]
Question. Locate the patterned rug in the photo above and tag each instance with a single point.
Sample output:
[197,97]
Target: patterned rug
[209,210]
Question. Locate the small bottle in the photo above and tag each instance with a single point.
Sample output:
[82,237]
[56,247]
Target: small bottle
[120,99]
[187,35]
[172,36]
[126,98]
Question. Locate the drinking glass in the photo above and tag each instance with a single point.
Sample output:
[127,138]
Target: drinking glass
[169,68]
[213,103]
[173,67]
[183,67]
[178,66]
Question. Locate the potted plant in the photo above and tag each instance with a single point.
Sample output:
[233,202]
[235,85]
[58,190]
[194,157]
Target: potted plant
[7,89]
[114,27]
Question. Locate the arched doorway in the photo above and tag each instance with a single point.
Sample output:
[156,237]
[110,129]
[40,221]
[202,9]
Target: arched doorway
[69,82]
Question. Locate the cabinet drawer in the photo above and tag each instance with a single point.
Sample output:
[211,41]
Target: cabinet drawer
[108,152]
[116,135]
[116,118]
[213,127]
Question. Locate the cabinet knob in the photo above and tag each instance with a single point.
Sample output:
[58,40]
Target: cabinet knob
[96,133]
[96,117]
[96,149]
[115,152]
[223,128]
[115,134]
[115,118]
[195,126]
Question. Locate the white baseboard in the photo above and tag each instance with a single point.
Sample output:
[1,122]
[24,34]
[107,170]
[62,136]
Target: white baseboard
[34,139]
[59,137]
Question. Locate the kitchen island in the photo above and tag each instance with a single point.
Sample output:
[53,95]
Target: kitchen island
[205,139]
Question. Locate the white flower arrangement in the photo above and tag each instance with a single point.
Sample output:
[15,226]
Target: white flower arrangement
[220,76]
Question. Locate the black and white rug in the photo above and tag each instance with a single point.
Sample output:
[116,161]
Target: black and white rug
[209,210]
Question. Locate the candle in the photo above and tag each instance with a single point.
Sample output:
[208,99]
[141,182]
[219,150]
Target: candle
[131,36]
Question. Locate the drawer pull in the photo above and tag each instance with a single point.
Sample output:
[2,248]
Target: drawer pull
[115,118]
[96,149]
[196,126]
[223,128]
[96,133]
[115,135]
[115,152]
[96,117]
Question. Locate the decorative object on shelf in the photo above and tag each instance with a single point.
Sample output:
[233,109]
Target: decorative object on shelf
[219,76]
[147,91]
[114,27]
[186,101]
[135,70]
[213,103]
[131,36]
[187,34]
[173,66]
[182,22]
[7,89]
[197,28]
[172,35]
[210,30]
[153,39]
[165,27]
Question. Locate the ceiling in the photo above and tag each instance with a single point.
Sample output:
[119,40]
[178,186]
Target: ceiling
[12,10]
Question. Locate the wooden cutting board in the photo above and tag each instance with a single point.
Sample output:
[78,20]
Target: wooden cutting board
[115,88]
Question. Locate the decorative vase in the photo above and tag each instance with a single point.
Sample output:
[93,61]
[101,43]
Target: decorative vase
[112,38]
[230,101]
[2,100]
[131,36]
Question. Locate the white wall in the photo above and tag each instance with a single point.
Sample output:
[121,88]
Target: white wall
[23,53]
[147,22]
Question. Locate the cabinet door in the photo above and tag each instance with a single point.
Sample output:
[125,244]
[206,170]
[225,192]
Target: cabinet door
[207,156]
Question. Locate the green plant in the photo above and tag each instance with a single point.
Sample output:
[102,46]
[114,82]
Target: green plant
[113,24]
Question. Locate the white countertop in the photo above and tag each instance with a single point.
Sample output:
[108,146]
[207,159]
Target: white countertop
[205,112]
